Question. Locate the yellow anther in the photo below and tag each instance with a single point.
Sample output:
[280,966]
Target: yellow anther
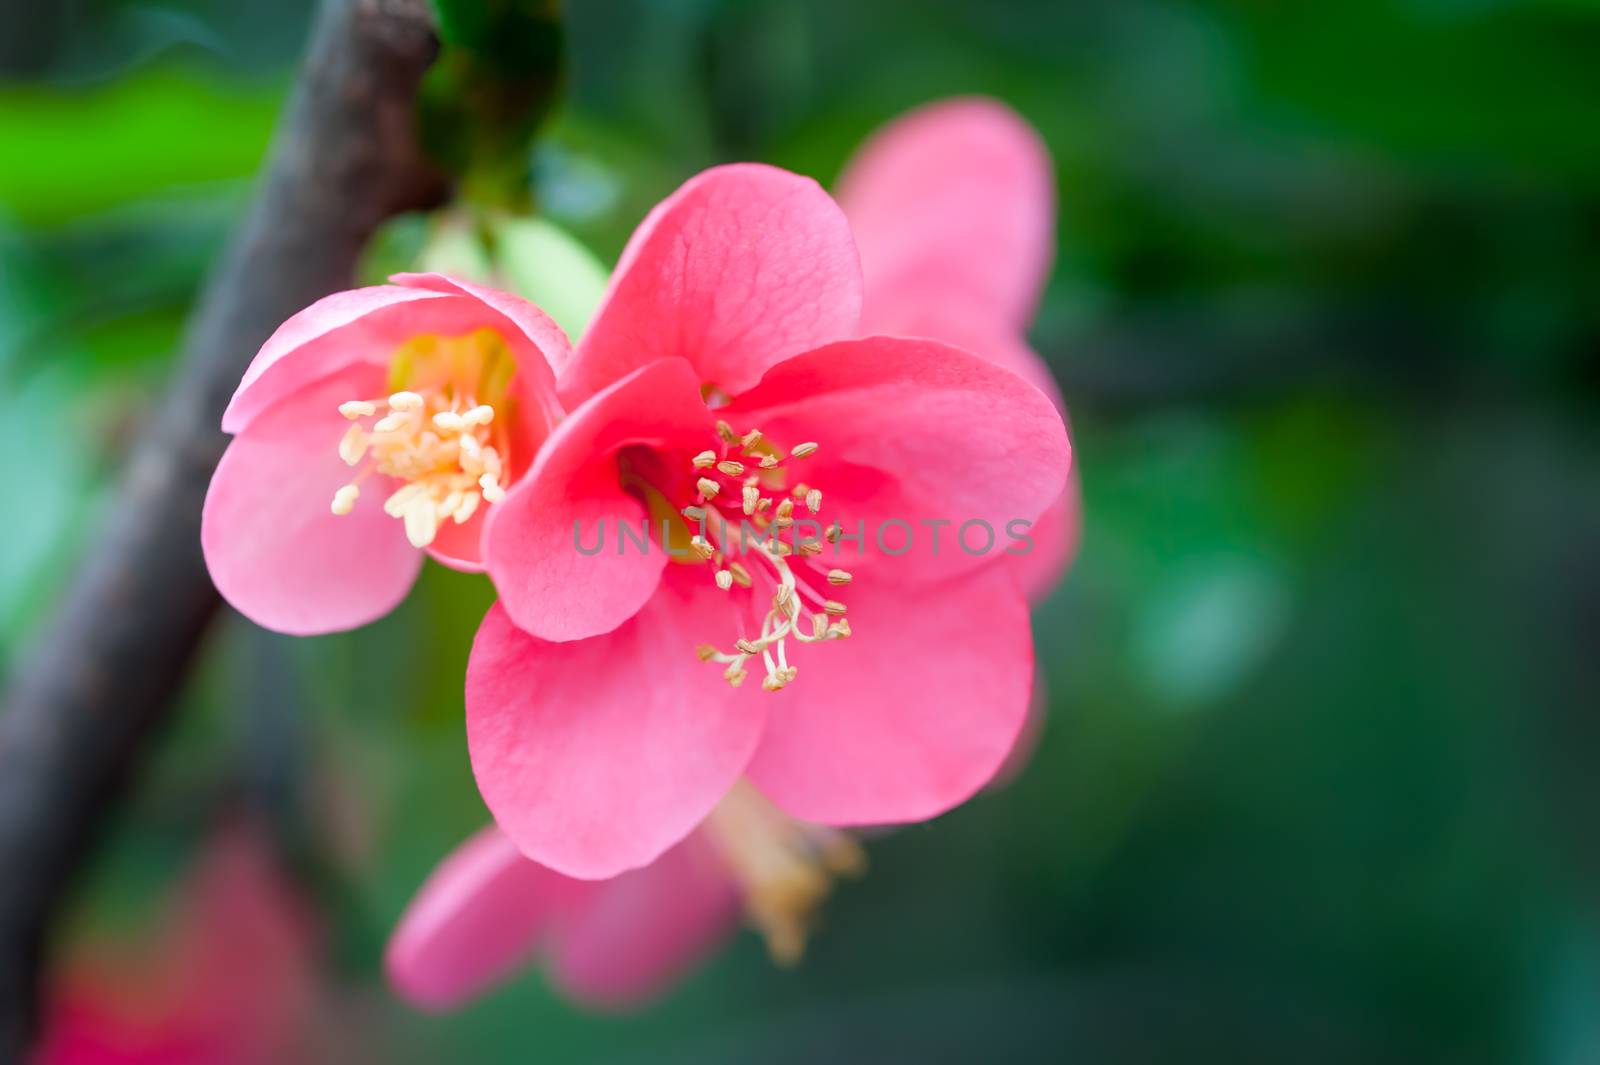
[695,513]
[405,401]
[701,547]
[724,579]
[752,498]
[422,522]
[834,532]
[814,500]
[731,468]
[800,451]
[353,446]
[705,460]
[708,487]
[810,548]
[834,608]
[358,408]
[838,576]
[750,439]
[725,431]
[706,652]
[747,646]
[769,462]
[450,421]
[344,500]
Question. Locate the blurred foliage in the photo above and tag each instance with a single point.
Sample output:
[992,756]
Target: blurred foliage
[1322,685]
[493,84]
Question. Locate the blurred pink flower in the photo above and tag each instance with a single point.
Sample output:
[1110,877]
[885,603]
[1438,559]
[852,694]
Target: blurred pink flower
[487,911]
[437,391]
[718,371]
[953,208]
[227,980]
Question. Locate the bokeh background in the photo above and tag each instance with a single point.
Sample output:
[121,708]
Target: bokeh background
[1319,774]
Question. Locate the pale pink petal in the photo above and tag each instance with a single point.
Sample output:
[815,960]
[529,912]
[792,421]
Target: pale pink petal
[363,325]
[911,714]
[275,550]
[912,434]
[953,202]
[477,920]
[639,932]
[1050,544]
[740,268]
[532,324]
[597,755]
[368,325]
[550,587]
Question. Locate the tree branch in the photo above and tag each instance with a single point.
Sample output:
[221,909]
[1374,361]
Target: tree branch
[104,673]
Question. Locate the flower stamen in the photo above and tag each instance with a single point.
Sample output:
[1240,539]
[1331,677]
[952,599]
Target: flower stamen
[434,437]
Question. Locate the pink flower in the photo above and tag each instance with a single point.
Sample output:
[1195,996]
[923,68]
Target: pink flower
[720,378]
[487,911]
[371,424]
[953,209]
[229,981]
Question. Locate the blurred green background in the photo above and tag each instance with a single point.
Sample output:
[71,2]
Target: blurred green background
[1324,726]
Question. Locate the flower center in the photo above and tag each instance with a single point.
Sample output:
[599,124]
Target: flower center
[746,510]
[785,868]
[443,432]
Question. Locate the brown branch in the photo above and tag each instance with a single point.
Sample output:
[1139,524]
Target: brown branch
[104,673]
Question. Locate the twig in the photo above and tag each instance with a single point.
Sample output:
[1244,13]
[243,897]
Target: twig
[104,673]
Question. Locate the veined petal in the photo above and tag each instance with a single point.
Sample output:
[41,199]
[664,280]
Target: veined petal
[597,755]
[574,492]
[928,451]
[910,715]
[275,550]
[740,268]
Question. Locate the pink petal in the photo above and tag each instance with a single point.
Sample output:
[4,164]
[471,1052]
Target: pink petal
[912,433]
[911,714]
[956,324]
[597,755]
[275,550]
[475,922]
[547,585]
[642,930]
[740,268]
[361,325]
[953,202]
[367,325]
[1054,541]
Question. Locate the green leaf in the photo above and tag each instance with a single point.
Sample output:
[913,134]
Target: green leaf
[73,153]
[545,264]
